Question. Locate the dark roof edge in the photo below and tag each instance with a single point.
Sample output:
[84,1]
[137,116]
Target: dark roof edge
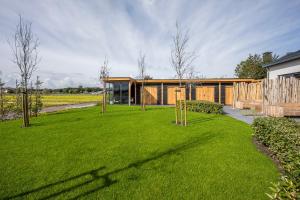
[283,61]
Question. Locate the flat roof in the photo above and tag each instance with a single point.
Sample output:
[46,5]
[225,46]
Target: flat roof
[206,80]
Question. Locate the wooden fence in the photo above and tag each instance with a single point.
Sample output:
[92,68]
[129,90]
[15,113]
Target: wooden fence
[272,97]
[247,92]
[281,91]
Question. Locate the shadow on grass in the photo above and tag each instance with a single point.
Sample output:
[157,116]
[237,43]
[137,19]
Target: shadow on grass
[202,119]
[96,174]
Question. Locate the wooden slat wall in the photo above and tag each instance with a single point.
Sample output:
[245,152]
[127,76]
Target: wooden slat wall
[281,91]
[150,95]
[271,94]
[206,93]
[228,95]
[247,91]
[171,94]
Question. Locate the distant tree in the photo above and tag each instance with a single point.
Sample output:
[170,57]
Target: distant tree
[104,74]
[142,75]
[252,67]
[80,89]
[25,55]
[38,104]
[148,77]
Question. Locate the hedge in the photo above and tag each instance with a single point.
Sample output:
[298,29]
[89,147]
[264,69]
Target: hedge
[282,137]
[204,106]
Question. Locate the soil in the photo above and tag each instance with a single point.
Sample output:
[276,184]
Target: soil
[265,150]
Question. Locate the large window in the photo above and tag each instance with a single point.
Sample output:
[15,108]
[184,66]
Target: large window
[120,93]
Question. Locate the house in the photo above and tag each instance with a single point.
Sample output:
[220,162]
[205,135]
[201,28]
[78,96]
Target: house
[287,66]
[126,90]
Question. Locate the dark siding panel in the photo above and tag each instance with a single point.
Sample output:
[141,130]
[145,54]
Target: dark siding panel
[165,95]
[223,94]
[187,92]
[138,94]
[217,93]
[158,94]
[193,92]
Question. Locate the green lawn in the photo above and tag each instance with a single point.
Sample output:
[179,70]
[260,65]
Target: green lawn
[130,154]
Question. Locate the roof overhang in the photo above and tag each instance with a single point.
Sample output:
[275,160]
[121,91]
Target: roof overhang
[209,80]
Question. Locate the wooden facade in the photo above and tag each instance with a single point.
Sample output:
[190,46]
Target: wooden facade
[273,97]
[127,90]
[205,93]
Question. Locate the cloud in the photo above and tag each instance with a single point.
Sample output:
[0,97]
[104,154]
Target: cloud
[75,36]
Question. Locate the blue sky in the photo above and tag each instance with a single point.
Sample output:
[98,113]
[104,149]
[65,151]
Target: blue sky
[75,35]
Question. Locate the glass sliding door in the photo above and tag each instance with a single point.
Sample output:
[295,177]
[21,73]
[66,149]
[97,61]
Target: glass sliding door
[120,93]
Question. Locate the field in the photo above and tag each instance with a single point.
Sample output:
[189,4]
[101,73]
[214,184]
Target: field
[65,99]
[129,154]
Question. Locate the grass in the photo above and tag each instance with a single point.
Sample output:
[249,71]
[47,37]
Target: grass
[130,154]
[65,99]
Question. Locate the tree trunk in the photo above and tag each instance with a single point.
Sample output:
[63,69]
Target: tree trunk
[25,109]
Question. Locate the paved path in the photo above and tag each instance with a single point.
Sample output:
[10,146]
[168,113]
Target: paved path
[64,107]
[235,113]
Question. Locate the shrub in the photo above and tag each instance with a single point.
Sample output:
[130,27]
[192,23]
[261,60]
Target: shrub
[204,106]
[282,137]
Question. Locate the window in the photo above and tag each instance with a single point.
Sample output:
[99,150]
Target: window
[120,93]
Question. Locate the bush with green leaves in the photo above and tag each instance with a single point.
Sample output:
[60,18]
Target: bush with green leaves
[282,137]
[204,106]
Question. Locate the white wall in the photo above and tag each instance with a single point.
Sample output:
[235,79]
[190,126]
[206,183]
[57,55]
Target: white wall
[284,68]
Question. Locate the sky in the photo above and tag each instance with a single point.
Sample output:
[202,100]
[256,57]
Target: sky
[76,35]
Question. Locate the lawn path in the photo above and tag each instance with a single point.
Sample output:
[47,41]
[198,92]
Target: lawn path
[64,107]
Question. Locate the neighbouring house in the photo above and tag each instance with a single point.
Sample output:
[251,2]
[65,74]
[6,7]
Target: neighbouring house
[126,90]
[287,66]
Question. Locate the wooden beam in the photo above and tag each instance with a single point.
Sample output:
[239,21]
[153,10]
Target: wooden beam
[220,92]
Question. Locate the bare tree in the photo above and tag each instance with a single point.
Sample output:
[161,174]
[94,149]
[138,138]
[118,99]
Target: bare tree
[142,76]
[104,74]
[24,45]
[181,58]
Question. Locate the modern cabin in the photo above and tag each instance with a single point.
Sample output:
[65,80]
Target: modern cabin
[126,90]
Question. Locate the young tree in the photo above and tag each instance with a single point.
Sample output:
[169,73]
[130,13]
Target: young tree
[142,75]
[24,47]
[181,58]
[104,74]
[38,104]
